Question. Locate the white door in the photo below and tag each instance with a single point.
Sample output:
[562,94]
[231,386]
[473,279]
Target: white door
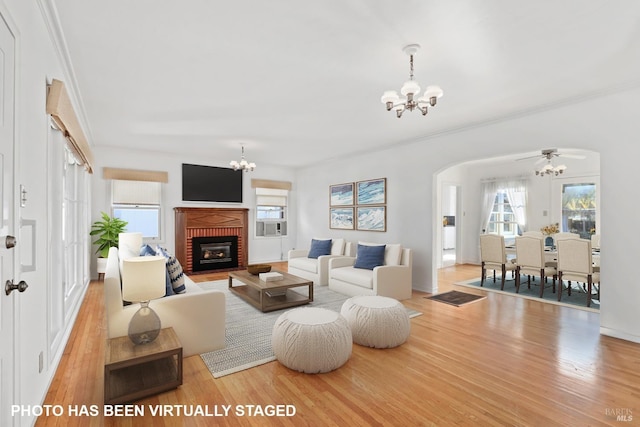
[7,327]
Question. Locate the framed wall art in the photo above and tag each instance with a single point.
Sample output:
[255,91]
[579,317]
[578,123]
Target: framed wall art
[371,218]
[372,192]
[341,218]
[341,194]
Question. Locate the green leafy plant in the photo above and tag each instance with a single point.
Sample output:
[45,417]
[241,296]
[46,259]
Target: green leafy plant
[107,230]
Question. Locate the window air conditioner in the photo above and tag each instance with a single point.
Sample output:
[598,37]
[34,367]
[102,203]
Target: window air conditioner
[271,228]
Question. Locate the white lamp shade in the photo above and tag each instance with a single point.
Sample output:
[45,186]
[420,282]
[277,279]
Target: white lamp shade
[432,91]
[389,96]
[143,278]
[410,86]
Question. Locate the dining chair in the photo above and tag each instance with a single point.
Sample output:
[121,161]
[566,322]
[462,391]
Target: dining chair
[533,233]
[575,263]
[563,236]
[530,260]
[595,241]
[494,257]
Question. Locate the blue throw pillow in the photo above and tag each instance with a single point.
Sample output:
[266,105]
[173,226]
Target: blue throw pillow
[319,247]
[369,257]
[147,250]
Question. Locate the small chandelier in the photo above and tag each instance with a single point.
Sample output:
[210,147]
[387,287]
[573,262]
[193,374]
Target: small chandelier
[549,169]
[411,89]
[243,165]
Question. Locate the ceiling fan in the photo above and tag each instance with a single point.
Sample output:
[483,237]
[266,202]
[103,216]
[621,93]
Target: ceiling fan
[549,154]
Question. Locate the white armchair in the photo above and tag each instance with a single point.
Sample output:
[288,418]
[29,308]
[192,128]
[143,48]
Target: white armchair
[392,279]
[316,269]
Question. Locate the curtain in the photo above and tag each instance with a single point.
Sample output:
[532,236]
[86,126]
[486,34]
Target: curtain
[517,194]
[489,191]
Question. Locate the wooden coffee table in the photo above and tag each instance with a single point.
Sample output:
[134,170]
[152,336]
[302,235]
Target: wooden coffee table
[270,296]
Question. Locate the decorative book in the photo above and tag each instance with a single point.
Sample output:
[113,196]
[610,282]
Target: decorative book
[270,277]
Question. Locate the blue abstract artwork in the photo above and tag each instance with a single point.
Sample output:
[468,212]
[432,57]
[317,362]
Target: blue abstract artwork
[372,192]
[342,194]
[372,218]
[341,218]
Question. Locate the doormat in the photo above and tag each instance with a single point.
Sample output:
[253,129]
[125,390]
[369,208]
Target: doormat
[456,298]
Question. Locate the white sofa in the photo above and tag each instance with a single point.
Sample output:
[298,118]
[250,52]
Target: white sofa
[197,316]
[392,279]
[317,269]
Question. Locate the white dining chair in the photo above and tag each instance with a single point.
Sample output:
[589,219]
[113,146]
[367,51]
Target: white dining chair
[530,260]
[595,241]
[494,257]
[575,263]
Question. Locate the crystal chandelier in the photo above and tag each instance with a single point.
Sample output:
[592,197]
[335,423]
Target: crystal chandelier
[242,165]
[410,90]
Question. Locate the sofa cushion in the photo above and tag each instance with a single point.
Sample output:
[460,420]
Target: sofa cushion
[337,247]
[305,264]
[393,254]
[369,257]
[355,276]
[174,269]
[147,250]
[319,248]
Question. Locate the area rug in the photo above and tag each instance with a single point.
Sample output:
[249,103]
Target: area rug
[578,298]
[248,330]
[456,298]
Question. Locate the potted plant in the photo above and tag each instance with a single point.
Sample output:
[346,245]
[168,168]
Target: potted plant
[107,229]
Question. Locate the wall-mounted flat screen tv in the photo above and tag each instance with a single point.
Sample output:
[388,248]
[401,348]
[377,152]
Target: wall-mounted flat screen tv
[211,184]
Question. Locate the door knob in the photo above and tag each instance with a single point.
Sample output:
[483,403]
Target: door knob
[10,242]
[9,286]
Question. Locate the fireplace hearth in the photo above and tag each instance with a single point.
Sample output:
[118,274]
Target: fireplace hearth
[214,253]
[207,223]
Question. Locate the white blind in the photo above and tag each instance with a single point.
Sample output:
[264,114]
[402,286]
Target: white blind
[135,192]
[271,197]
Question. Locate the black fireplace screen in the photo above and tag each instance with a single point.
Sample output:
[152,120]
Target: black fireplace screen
[214,253]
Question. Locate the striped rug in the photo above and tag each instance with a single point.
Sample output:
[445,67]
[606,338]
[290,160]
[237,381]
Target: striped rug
[248,330]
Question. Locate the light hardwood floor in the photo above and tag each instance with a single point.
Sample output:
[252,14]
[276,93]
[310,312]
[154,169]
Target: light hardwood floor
[500,361]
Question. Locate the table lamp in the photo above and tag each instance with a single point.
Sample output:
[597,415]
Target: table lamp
[143,279]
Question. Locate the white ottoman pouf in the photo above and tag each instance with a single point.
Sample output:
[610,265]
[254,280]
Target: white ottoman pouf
[377,321]
[311,340]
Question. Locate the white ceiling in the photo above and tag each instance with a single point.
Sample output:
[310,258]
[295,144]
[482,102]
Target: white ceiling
[299,82]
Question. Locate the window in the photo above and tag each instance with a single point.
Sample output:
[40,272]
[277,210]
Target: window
[502,219]
[271,212]
[579,209]
[138,203]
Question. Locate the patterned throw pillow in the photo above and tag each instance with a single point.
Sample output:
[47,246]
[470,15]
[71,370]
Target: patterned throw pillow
[174,269]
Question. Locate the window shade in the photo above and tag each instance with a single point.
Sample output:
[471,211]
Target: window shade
[134,175]
[266,183]
[135,192]
[61,110]
[271,197]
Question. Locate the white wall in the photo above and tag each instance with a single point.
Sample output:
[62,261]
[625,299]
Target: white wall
[36,62]
[607,125]
[261,249]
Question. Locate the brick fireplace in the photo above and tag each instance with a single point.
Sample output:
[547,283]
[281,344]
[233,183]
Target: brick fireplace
[211,226]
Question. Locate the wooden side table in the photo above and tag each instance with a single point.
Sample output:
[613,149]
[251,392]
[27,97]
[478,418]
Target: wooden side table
[135,371]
